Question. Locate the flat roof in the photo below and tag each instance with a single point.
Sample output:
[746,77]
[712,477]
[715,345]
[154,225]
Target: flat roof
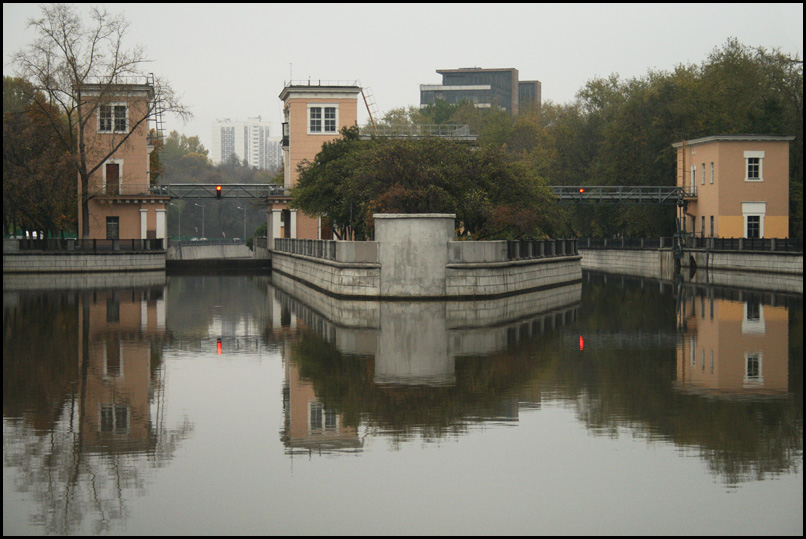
[318,88]
[734,138]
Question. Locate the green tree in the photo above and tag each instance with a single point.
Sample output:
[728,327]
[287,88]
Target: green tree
[492,197]
[39,183]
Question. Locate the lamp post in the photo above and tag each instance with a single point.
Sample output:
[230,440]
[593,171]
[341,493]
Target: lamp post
[244,223]
[179,214]
[202,206]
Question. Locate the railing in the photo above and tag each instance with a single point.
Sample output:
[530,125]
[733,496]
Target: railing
[530,249]
[778,245]
[325,249]
[91,246]
[426,130]
[791,245]
[125,189]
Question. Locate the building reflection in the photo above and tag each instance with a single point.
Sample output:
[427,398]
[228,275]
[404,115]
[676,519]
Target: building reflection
[124,326]
[396,362]
[90,402]
[733,347]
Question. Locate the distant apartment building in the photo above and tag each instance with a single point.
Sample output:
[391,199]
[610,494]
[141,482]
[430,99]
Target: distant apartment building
[248,140]
[484,87]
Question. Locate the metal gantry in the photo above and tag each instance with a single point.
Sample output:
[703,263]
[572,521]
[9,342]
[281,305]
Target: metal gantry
[599,194]
[227,190]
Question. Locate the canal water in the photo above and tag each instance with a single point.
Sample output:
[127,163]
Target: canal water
[223,404]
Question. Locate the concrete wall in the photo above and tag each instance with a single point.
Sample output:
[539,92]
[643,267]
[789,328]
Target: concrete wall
[408,338]
[746,261]
[658,263]
[338,278]
[32,262]
[414,257]
[413,253]
[204,252]
[503,278]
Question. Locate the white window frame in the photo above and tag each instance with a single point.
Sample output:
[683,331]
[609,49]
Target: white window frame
[323,119]
[118,162]
[754,209]
[113,117]
[753,155]
[758,378]
[694,178]
[702,180]
[712,172]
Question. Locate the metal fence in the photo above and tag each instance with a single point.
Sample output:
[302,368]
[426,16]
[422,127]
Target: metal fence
[325,249]
[778,245]
[527,249]
[91,246]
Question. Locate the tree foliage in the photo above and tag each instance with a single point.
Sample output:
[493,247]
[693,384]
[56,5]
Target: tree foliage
[39,183]
[620,131]
[352,179]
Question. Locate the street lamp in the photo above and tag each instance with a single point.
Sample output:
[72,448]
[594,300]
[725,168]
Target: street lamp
[179,213]
[202,206]
[244,223]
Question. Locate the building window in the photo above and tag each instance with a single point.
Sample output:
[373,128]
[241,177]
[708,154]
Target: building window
[114,419]
[754,166]
[112,119]
[712,226]
[712,172]
[754,213]
[113,228]
[753,374]
[694,179]
[323,119]
[320,419]
[753,226]
[702,179]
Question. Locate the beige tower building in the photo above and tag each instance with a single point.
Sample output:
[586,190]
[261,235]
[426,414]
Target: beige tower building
[738,185]
[314,114]
[121,206]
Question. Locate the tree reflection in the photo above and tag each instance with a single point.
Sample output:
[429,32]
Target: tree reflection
[635,372]
[84,417]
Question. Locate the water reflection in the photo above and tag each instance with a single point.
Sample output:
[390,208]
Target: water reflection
[713,373]
[644,355]
[411,368]
[83,398]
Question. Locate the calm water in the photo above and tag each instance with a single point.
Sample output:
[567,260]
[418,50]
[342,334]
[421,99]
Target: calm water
[208,404]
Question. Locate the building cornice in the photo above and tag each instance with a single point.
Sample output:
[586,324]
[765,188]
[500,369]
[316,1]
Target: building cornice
[734,138]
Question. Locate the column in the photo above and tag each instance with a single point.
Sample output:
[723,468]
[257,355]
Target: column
[143,223]
[162,225]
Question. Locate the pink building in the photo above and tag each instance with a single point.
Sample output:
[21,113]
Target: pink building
[739,185]
[120,205]
[314,114]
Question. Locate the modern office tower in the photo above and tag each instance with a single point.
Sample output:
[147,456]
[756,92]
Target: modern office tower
[248,140]
[484,87]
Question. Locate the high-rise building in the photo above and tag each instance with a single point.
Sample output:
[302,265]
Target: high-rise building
[484,87]
[248,140]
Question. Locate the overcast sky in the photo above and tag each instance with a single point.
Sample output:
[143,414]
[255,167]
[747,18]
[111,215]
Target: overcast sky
[232,60]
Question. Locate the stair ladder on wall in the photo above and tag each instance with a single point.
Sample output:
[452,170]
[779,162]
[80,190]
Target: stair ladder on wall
[372,109]
[157,115]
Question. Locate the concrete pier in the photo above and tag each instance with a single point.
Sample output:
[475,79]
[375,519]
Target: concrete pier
[414,257]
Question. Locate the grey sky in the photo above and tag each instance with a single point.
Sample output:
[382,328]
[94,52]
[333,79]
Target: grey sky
[231,60]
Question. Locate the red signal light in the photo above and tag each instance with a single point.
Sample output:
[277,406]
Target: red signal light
[581,190]
[218,191]
[218,347]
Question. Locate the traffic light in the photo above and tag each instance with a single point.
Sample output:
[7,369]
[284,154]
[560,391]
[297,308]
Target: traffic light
[581,190]
[218,191]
